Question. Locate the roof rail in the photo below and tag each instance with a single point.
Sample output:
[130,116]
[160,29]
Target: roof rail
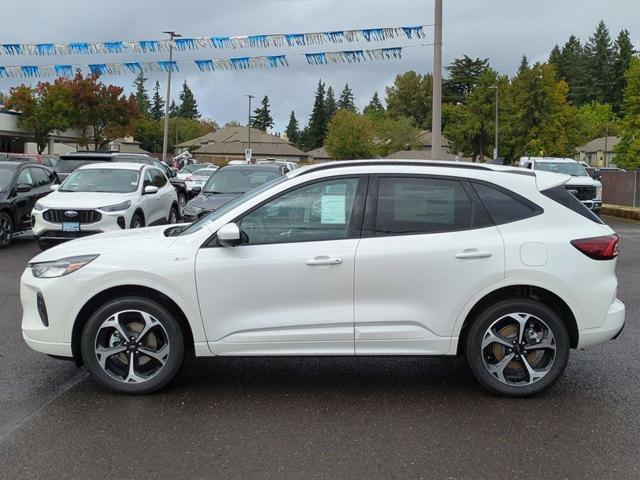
[414,163]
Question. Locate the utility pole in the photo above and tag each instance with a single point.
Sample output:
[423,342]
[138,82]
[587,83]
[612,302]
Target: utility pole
[165,140]
[495,148]
[436,120]
[249,125]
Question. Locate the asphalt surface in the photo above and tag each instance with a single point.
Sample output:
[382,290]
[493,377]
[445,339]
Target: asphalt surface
[321,417]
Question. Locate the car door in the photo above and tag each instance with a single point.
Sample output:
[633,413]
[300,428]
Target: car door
[164,196]
[42,181]
[24,201]
[427,247]
[287,289]
[149,201]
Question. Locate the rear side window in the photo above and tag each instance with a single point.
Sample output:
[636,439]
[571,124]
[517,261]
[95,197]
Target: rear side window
[564,197]
[40,177]
[414,205]
[505,207]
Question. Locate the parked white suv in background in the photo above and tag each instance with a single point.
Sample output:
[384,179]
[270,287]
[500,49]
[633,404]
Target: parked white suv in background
[102,197]
[376,257]
[585,188]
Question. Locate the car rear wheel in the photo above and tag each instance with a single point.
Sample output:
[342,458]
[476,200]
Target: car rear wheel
[137,221]
[6,230]
[173,215]
[517,348]
[132,345]
[182,202]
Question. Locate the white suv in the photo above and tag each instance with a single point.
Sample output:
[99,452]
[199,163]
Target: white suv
[377,258]
[102,197]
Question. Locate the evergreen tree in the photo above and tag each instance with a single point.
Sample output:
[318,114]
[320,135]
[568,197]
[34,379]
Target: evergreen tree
[346,100]
[330,103]
[141,96]
[464,75]
[410,96]
[157,106]
[173,109]
[317,128]
[262,116]
[599,55]
[623,53]
[188,107]
[555,57]
[374,109]
[232,123]
[572,69]
[293,131]
[524,65]
[628,150]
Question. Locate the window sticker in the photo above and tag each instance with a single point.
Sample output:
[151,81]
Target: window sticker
[333,210]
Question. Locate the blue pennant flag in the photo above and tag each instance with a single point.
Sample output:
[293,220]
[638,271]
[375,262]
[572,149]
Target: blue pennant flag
[45,49]
[411,31]
[29,71]
[185,43]
[3,72]
[393,52]
[12,48]
[133,67]
[316,58]
[277,61]
[97,68]
[335,37]
[219,42]
[258,40]
[353,55]
[373,33]
[63,70]
[149,45]
[295,39]
[165,66]
[78,47]
[113,47]
[205,65]
[241,63]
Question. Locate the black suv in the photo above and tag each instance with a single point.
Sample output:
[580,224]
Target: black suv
[21,185]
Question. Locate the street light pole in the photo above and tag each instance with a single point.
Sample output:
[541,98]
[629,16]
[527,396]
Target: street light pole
[165,139]
[436,119]
[495,148]
[249,124]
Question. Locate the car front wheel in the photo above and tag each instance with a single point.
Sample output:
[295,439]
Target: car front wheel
[6,230]
[132,345]
[517,348]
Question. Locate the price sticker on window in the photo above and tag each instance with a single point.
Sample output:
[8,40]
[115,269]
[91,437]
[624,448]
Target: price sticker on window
[333,210]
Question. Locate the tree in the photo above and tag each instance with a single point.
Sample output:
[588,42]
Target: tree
[350,136]
[572,68]
[375,109]
[596,120]
[464,75]
[347,100]
[149,132]
[599,59]
[262,119]
[157,106]
[317,128]
[623,52]
[141,96]
[628,150]
[101,112]
[555,57]
[188,107]
[392,135]
[524,65]
[293,130]
[410,96]
[44,109]
[330,105]
[232,123]
[174,111]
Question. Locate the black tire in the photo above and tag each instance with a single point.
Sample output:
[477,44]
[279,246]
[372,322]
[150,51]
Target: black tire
[480,360]
[165,322]
[6,229]
[173,215]
[44,245]
[137,221]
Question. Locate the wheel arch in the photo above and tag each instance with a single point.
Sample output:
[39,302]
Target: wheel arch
[533,292]
[140,211]
[128,290]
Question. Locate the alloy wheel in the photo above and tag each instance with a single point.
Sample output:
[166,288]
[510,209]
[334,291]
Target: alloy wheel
[6,230]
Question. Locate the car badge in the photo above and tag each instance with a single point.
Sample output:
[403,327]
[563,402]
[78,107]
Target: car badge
[71,213]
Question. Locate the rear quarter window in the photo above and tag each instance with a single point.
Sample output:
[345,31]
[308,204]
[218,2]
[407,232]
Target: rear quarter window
[505,206]
[565,198]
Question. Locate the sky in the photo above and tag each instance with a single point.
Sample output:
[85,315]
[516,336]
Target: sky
[501,30]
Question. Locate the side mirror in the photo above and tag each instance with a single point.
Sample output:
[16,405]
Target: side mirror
[196,190]
[150,190]
[173,174]
[54,187]
[228,235]
[23,188]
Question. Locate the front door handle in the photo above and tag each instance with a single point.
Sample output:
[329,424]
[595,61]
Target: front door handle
[472,253]
[324,261]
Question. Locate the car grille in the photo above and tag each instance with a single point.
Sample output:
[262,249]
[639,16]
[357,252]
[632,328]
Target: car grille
[582,192]
[83,216]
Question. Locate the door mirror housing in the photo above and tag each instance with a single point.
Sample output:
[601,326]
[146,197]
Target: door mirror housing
[150,190]
[228,235]
[196,190]
[55,187]
[23,188]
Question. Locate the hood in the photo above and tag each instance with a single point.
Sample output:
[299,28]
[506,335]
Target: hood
[124,241]
[84,200]
[213,201]
[583,181]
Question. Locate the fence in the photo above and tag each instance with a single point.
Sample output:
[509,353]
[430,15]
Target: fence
[621,188]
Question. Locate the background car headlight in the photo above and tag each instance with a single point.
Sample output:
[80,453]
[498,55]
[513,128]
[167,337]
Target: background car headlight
[59,268]
[38,207]
[116,208]
[599,192]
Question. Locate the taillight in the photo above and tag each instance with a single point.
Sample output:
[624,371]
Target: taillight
[598,248]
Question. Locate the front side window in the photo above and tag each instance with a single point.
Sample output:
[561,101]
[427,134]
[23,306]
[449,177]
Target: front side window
[316,212]
[415,205]
[107,180]
[159,179]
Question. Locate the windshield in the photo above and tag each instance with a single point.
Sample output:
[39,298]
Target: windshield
[237,180]
[568,168]
[101,180]
[6,175]
[227,207]
[204,172]
[68,165]
[190,168]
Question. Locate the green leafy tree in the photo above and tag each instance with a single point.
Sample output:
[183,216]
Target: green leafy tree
[628,150]
[350,136]
[347,100]
[410,96]
[599,59]
[596,120]
[464,76]
[317,127]
[623,53]
[392,135]
[293,129]
[44,109]
[188,106]
[149,132]
[375,110]
[330,105]
[232,123]
[157,106]
[571,67]
[143,104]
[262,119]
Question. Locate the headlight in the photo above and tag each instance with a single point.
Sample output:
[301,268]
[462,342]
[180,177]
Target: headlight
[193,208]
[116,208]
[599,192]
[38,207]
[59,268]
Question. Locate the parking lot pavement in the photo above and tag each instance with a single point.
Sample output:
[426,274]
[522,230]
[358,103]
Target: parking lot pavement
[322,417]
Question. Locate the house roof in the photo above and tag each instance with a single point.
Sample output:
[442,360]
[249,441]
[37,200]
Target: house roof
[233,134]
[128,146]
[320,153]
[259,148]
[424,139]
[597,145]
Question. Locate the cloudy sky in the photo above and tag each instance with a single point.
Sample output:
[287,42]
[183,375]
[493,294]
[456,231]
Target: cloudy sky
[502,30]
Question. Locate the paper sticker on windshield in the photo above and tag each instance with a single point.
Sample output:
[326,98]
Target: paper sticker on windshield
[333,210]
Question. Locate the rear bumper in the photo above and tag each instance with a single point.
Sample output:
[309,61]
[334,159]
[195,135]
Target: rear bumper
[611,327]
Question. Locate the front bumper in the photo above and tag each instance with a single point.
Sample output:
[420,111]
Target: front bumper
[610,328]
[594,205]
[49,232]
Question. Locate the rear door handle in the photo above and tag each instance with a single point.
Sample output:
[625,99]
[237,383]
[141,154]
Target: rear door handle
[472,253]
[324,260]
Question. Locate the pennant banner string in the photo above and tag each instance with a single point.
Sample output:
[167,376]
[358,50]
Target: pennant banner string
[217,42]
